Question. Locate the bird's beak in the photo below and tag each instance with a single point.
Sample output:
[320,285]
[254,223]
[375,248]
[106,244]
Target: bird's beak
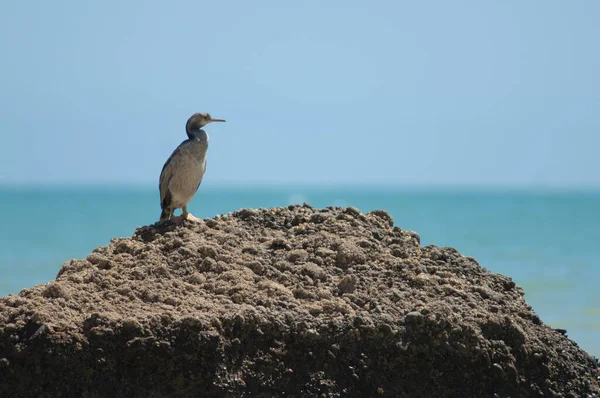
[217,120]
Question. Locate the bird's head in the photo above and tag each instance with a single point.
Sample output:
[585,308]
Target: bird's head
[199,120]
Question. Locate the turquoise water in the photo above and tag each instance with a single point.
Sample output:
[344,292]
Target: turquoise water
[548,242]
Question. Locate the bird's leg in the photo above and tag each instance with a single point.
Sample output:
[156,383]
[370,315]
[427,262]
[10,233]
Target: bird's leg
[187,216]
[166,214]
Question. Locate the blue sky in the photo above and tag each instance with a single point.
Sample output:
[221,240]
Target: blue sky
[387,92]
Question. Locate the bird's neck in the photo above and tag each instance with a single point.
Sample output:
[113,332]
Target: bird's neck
[197,134]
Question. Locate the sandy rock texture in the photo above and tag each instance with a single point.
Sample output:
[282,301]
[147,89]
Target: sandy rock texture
[282,302]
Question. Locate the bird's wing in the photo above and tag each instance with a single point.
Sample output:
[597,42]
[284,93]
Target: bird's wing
[166,174]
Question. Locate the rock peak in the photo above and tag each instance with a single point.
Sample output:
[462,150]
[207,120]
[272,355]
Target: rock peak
[282,301]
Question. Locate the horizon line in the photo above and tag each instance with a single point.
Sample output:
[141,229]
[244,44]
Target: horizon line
[343,185]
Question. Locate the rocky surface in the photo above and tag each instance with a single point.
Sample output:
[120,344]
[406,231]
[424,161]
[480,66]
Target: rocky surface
[283,302]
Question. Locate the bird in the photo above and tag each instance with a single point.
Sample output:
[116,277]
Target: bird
[183,171]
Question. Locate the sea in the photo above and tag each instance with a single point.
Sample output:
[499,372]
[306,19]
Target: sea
[548,241]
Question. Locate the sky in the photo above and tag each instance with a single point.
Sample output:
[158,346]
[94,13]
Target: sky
[389,92]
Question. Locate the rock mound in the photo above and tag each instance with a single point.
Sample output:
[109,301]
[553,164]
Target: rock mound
[291,302]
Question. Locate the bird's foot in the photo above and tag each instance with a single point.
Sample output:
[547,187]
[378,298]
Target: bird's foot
[190,217]
[185,216]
